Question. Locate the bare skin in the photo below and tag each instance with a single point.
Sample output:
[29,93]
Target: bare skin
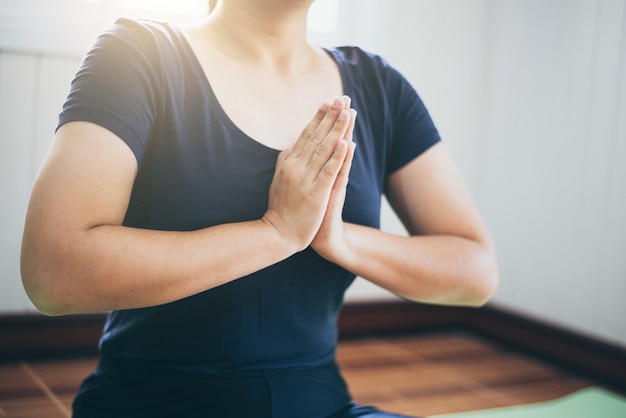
[77,257]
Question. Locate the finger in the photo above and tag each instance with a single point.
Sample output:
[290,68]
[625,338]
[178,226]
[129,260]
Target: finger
[347,100]
[307,132]
[338,194]
[319,134]
[344,173]
[282,157]
[328,174]
[350,130]
[325,148]
[286,152]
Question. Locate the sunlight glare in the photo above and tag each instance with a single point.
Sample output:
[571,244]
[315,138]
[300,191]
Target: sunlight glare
[324,16]
[179,7]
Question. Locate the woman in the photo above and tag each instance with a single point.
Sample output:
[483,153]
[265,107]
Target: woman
[203,188]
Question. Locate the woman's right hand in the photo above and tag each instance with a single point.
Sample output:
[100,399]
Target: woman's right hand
[305,174]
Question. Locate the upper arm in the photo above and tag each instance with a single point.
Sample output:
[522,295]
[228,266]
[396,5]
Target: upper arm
[85,181]
[430,198]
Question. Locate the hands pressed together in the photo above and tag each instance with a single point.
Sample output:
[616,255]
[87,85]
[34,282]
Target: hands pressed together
[308,191]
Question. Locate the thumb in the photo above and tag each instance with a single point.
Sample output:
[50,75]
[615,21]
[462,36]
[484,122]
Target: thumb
[284,155]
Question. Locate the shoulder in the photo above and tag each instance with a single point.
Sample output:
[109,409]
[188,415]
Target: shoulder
[368,69]
[137,28]
[388,104]
[356,58]
[137,47]
[143,36]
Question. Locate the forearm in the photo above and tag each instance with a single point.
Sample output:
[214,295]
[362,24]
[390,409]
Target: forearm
[441,269]
[76,256]
[115,267]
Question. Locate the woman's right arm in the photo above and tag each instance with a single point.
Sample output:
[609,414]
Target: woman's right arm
[78,257]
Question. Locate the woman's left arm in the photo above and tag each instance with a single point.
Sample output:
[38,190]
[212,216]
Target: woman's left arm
[448,258]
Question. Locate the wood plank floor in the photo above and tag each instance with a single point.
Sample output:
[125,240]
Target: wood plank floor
[426,374]
[446,373]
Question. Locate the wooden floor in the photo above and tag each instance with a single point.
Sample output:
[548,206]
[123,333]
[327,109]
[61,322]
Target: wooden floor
[446,373]
[424,375]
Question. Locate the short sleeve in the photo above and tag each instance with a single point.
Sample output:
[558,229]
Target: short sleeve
[413,130]
[117,85]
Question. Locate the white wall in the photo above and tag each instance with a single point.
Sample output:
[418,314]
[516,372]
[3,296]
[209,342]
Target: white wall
[552,177]
[530,96]
[527,94]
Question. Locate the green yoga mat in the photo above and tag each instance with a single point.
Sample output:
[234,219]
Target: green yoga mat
[591,402]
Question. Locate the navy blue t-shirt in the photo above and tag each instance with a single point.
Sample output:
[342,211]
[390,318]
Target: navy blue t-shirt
[142,81]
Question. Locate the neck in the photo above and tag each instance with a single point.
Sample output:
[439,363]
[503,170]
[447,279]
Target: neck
[270,33]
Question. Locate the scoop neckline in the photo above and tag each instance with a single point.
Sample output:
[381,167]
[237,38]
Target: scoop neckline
[235,131]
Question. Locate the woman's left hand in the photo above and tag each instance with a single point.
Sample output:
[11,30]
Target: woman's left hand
[329,241]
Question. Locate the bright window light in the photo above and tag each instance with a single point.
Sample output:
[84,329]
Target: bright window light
[179,7]
[324,16]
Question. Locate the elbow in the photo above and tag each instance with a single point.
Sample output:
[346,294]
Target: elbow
[43,287]
[44,299]
[485,284]
[472,284]
[481,282]
[484,290]
[47,307]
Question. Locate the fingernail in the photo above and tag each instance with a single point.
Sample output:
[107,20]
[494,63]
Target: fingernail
[325,106]
[343,115]
[338,102]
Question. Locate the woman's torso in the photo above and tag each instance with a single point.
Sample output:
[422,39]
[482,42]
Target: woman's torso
[198,168]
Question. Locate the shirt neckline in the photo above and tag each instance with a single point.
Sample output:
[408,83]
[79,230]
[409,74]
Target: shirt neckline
[237,133]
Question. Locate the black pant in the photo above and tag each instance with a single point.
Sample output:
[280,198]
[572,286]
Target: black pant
[302,392]
[357,411]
